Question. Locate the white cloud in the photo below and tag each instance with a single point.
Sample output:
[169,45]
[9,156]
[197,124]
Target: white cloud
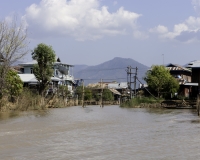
[79,19]
[186,31]
[159,29]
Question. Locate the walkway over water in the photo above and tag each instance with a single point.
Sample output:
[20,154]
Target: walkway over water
[95,133]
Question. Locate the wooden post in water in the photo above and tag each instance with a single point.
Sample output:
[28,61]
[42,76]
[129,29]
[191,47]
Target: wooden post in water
[101,100]
[198,98]
[198,105]
[83,103]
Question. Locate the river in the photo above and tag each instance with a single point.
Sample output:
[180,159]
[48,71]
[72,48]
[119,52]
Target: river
[94,133]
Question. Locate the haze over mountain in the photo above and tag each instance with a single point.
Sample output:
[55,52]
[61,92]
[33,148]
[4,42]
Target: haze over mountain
[112,70]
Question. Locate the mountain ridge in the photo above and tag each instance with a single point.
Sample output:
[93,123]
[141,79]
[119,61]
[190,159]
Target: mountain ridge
[111,70]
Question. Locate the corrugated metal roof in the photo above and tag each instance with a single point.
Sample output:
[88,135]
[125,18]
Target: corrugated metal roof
[176,67]
[193,64]
[118,85]
[35,62]
[28,63]
[114,91]
[191,84]
[28,78]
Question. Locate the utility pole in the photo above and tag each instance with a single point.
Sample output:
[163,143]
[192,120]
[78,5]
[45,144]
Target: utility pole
[130,82]
[101,100]
[83,94]
[129,79]
[135,77]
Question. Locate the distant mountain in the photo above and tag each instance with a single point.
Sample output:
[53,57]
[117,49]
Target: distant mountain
[77,68]
[113,70]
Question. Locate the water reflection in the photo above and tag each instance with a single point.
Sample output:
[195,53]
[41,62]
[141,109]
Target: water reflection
[7,115]
[17,114]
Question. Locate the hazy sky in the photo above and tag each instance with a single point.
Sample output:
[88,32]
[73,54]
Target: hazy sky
[94,31]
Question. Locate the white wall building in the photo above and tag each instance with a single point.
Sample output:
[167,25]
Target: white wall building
[62,74]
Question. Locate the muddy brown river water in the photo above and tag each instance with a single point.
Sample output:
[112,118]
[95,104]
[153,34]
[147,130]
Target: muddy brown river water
[94,133]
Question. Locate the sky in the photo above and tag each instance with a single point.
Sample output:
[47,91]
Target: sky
[91,32]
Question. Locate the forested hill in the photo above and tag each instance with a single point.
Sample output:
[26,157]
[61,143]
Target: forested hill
[113,70]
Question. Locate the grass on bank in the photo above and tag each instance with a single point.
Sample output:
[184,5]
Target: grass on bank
[29,100]
[135,102]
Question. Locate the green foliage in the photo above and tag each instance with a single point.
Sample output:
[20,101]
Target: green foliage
[63,90]
[137,101]
[14,85]
[79,91]
[45,57]
[160,81]
[107,95]
[96,96]
[28,100]
[88,94]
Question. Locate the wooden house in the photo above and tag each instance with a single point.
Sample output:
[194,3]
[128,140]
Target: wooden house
[184,77]
[194,66]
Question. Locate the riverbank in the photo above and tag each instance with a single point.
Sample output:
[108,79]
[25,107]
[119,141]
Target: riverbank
[143,102]
[159,103]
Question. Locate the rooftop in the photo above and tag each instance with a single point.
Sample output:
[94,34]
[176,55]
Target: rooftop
[176,67]
[35,62]
[194,64]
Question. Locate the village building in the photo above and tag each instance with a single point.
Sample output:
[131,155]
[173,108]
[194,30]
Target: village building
[62,75]
[194,66]
[184,76]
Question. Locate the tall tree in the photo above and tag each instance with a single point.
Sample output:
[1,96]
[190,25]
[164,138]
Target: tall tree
[13,46]
[160,80]
[43,70]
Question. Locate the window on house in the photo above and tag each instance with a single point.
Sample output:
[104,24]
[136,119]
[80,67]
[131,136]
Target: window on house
[22,70]
[57,72]
[31,70]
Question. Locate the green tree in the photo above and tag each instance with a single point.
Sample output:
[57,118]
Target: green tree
[79,92]
[160,80]
[88,94]
[107,95]
[172,85]
[43,70]
[13,46]
[14,84]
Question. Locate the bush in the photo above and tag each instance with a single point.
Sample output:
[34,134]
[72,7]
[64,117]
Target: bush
[29,100]
[138,101]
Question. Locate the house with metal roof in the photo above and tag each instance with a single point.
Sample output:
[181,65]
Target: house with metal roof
[195,68]
[62,74]
[184,76]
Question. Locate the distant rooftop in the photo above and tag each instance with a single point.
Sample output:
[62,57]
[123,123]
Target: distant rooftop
[194,64]
[35,62]
[176,67]
[118,85]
